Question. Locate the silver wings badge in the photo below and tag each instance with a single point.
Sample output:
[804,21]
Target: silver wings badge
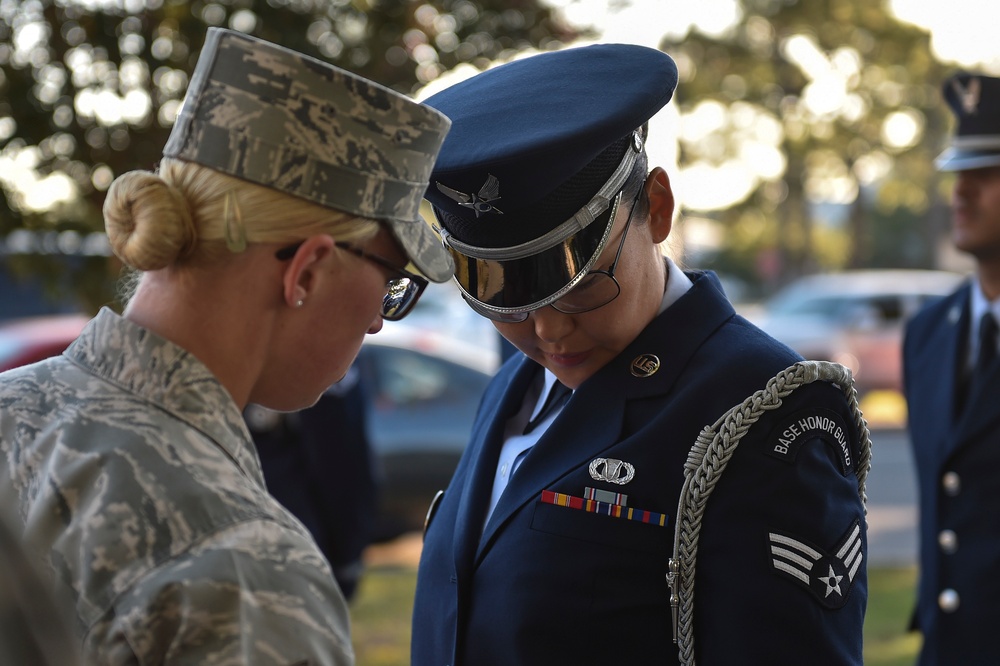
[611,470]
[482,202]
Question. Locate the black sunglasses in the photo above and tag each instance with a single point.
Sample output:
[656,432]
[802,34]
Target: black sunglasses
[401,291]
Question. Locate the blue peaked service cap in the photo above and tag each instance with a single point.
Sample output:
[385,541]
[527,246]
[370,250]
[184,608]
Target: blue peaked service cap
[975,102]
[527,182]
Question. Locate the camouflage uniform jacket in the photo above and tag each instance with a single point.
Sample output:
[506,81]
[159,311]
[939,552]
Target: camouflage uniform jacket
[132,470]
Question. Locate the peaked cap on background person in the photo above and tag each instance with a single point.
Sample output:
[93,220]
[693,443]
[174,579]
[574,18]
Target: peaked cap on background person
[527,181]
[975,101]
[284,120]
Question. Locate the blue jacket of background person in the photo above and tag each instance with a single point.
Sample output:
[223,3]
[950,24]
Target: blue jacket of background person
[548,584]
[957,460]
[319,464]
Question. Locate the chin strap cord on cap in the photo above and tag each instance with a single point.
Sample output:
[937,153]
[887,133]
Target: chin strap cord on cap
[708,458]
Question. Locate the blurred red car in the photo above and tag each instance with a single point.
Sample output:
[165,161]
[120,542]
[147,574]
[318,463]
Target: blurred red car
[32,339]
[423,389]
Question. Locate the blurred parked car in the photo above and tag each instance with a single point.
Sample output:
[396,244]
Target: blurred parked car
[423,389]
[441,308]
[30,339]
[855,318]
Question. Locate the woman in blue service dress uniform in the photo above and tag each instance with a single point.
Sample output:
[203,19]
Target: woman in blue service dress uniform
[552,543]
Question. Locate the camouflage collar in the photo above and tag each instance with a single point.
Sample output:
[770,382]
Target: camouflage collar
[169,378]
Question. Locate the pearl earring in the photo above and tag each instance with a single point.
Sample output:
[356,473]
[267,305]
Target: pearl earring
[299,303]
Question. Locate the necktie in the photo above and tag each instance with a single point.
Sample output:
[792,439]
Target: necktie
[987,342]
[558,396]
[987,355]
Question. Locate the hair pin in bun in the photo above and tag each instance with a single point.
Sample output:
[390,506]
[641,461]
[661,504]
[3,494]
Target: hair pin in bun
[236,233]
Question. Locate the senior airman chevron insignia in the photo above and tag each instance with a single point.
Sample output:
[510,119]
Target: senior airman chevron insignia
[828,577]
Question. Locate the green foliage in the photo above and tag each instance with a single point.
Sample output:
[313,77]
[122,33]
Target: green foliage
[854,92]
[100,88]
[381,617]
[841,97]
[89,90]
[902,238]
[891,598]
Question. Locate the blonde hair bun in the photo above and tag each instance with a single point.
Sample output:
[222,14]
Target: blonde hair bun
[148,221]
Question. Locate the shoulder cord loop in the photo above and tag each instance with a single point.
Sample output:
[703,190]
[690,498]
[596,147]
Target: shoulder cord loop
[708,458]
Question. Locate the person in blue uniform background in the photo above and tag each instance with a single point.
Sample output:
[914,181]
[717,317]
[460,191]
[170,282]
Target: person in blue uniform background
[551,544]
[319,464]
[952,384]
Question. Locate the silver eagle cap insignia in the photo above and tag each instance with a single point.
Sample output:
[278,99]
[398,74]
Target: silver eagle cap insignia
[482,202]
[968,96]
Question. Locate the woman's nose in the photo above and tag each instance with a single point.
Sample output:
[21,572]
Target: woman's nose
[551,325]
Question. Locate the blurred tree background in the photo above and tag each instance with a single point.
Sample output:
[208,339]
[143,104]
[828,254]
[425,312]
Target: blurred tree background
[818,119]
[831,109]
[89,89]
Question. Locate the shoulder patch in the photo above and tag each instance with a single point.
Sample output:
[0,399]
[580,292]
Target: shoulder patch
[788,437]
[829,577]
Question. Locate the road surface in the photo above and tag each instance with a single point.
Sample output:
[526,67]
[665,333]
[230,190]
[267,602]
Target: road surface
[892,500]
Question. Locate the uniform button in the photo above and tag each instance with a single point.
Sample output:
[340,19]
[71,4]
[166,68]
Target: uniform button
[948,601]
[951,483]
[948,541]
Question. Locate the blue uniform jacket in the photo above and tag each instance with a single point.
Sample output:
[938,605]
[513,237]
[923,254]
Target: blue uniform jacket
[957,460]
[550,584]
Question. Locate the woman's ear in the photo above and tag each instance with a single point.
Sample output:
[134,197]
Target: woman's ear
[302,273]
[661,204]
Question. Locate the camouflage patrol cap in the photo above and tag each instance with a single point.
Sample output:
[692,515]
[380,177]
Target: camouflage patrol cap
[278,118]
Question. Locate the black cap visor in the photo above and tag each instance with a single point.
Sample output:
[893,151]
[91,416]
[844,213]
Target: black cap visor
[531,282]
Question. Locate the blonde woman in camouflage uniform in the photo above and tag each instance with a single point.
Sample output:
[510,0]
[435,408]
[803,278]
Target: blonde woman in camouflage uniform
[272,239]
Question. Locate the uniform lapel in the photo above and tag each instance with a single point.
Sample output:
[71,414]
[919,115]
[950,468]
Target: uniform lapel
[936,366]
[484,450]
[952,349]
[980,407]
[577,436]
[569,442]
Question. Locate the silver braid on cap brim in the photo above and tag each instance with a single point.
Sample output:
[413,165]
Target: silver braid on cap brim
[706,462]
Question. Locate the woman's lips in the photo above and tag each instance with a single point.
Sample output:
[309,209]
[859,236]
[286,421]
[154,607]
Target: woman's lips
[567,360]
